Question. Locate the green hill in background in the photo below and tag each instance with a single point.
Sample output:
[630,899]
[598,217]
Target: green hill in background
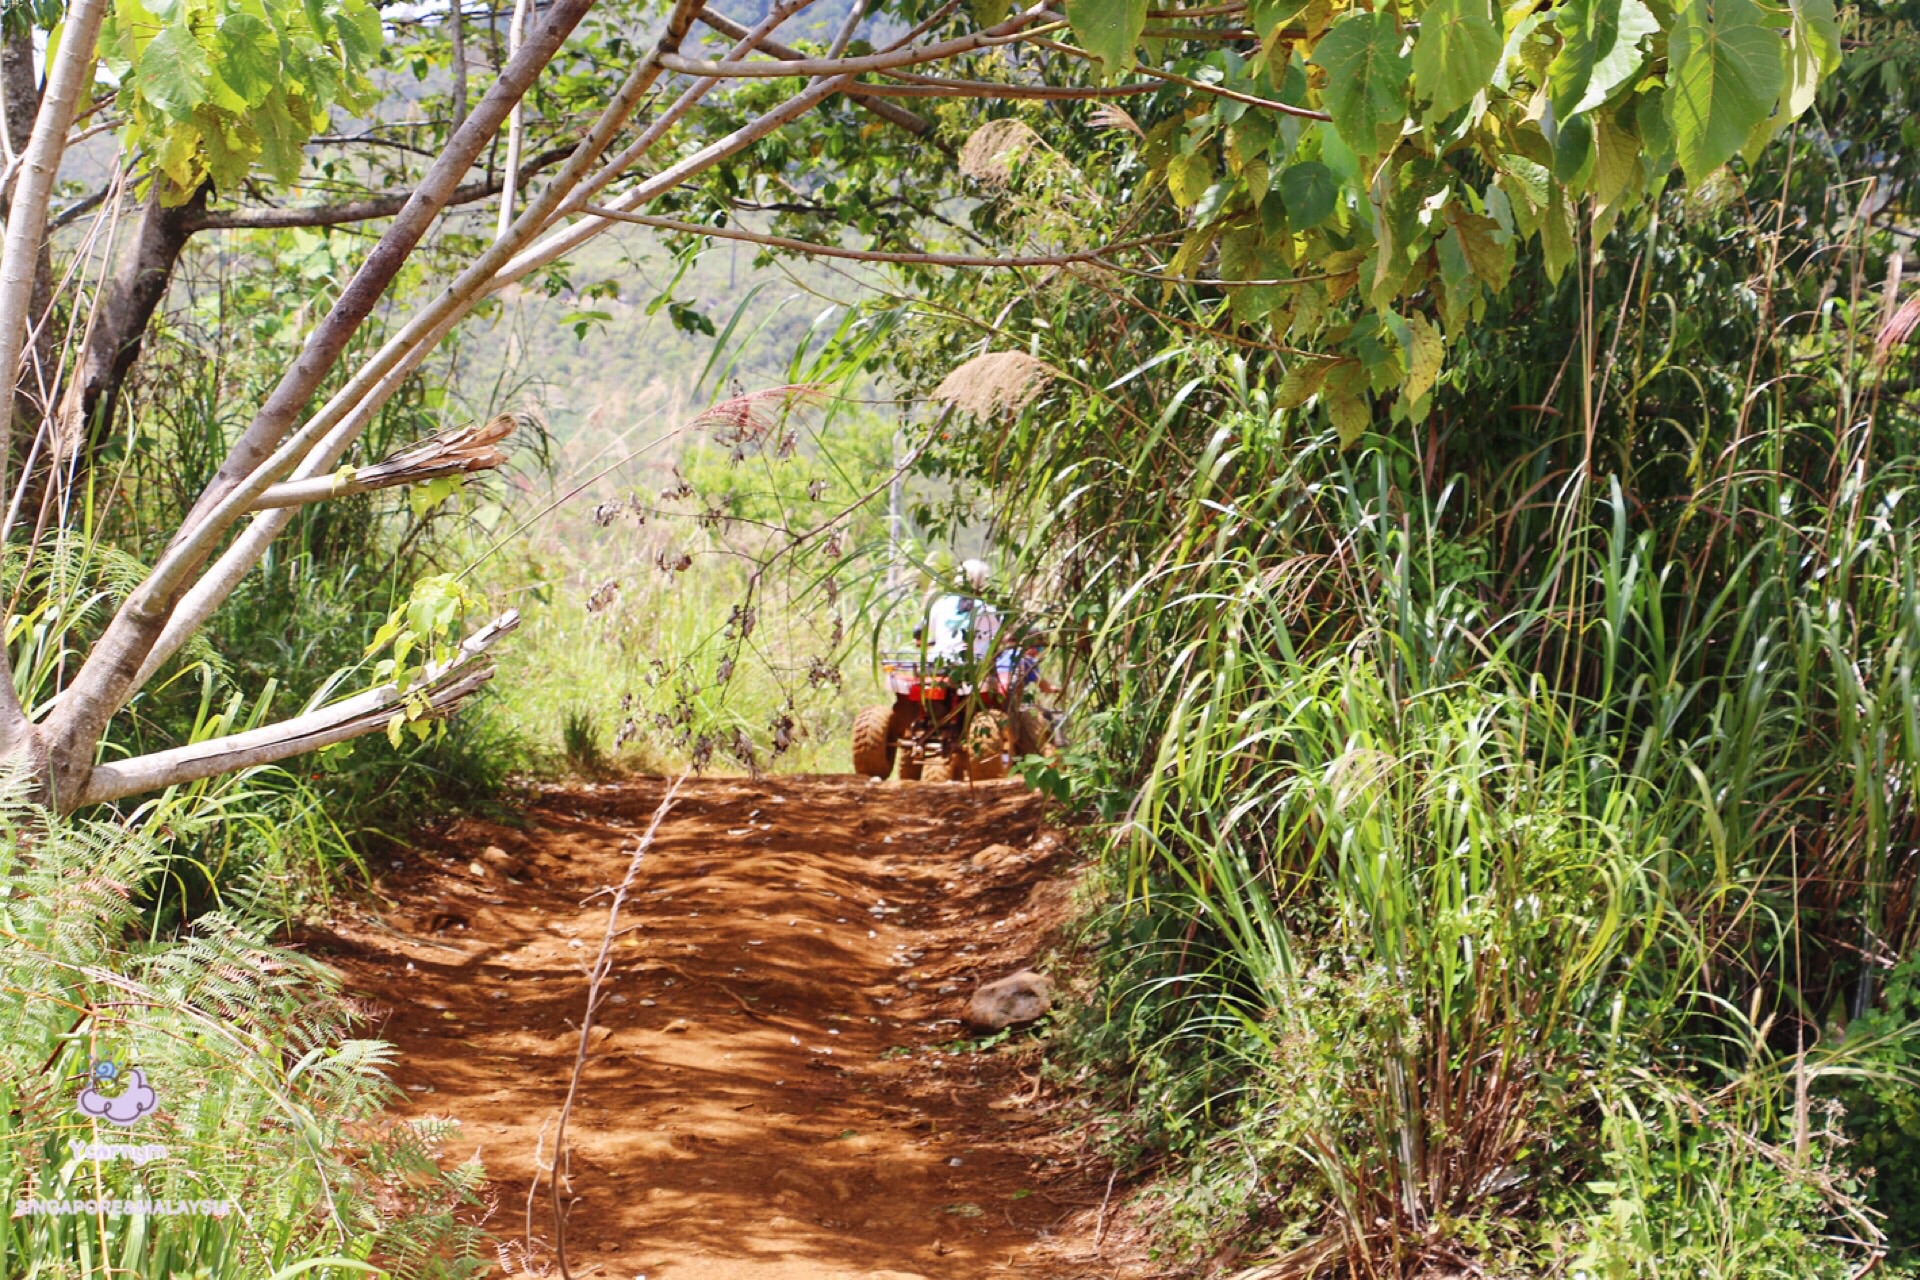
[628,345]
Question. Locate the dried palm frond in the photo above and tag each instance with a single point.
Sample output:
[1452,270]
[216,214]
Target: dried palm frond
[1898,328]
[997,382]
[745,422]
[1109,116]
[992,149]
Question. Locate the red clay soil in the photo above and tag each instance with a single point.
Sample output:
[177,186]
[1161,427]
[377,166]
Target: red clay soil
[762,1101]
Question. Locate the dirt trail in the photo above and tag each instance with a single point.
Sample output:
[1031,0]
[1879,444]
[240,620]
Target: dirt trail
[742,1116]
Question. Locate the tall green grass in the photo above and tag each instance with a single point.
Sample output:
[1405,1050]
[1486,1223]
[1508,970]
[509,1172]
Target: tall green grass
[1510,819]
[694,581]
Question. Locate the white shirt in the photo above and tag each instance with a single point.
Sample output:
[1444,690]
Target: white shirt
[957,624]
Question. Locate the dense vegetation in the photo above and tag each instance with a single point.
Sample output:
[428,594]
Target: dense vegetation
[1463,457]
[1512,835]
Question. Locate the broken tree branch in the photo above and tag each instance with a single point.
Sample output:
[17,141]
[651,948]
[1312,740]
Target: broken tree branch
[1092,256]
[787,53]
[1012,31]
[443,688]
[453,452]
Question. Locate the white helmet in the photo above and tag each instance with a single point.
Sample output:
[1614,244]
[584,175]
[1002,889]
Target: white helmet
[977,573]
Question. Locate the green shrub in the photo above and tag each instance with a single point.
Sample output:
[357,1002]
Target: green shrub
[1882,1106]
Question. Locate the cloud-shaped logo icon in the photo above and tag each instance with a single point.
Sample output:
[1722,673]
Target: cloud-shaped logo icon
[133,1101]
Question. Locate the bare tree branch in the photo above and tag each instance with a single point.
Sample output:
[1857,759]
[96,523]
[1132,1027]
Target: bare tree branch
[457,56]
[367,210]
[1012,31]
[885,110]
[516,129]
[938,87]
[369,138]
[915,257]
[78,209]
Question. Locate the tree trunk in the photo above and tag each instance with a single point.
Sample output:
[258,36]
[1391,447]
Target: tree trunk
[20,87]
[132,297]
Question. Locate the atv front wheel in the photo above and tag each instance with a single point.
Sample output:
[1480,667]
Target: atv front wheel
[945,768]
[989,745]
[1030,736]
[872,749]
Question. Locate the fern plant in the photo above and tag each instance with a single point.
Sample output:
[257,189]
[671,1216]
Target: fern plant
[266,1118]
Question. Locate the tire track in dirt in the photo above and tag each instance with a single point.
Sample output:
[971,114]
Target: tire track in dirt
[742,1115]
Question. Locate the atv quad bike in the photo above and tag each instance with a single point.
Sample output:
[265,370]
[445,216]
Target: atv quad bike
[940,733]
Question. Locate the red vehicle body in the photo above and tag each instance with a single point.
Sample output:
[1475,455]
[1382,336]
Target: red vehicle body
[940,729]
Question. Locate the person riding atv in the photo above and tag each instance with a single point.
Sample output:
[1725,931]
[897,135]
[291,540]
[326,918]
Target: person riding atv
[957,712]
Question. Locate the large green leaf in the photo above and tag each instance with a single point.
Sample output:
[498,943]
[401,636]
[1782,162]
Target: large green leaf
[1457,53]
[1725,72]
[1366,91]
[173,72]
[1308,192]
[1109,30]
[1601,52]
[249,56]
[1270,15]
[1813,52]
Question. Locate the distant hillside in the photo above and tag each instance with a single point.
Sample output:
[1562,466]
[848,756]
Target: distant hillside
[595,362]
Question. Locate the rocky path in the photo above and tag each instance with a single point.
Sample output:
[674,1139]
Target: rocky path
[768,1095]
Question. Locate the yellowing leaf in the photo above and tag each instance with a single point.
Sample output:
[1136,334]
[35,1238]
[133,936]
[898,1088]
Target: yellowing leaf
[179,158]
[1556,236]
[1480,242]
[1303,382]
[1350,416]
[1309,312]
[1345,397]
[1189,176]
[1424,356]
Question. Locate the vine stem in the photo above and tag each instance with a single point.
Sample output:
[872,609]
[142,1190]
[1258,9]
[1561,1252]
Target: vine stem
[596,978]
